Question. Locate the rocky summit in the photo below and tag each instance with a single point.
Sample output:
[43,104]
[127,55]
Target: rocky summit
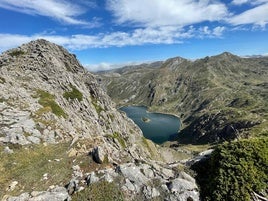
[62,138]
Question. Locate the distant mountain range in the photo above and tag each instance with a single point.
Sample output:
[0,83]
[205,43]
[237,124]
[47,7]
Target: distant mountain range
[218,98]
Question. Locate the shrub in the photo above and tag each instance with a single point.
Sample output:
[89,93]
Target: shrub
[74,94]
[234,171]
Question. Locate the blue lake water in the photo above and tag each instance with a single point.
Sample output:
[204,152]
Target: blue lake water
[160,127]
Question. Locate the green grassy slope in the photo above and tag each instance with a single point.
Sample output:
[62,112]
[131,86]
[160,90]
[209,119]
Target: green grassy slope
[218,98]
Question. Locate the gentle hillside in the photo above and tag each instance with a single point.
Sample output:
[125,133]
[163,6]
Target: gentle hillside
[218,98]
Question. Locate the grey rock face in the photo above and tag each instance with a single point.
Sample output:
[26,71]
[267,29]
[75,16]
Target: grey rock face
[178,185]
[201,156]
[133,173]
[98,154]
[185,189]
[137,182]
[72,186]
[56,194]
[22,197]
[92,178]
[150,192]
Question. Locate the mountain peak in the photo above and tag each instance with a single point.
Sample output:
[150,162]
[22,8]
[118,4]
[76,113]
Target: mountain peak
[40,45]
[176,59]
[45,56]
[227,55]
[41,41]
[173,63]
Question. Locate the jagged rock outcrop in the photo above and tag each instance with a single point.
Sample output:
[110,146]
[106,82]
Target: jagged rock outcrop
[143,181]
[55,194]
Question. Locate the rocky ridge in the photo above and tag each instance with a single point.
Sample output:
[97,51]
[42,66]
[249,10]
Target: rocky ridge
[48,98]
[36,107]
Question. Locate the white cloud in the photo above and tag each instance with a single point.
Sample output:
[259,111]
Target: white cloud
[207,32]
[100,67]
[61,10]
[239,2]
[253,2]
[154,13]
[257,16]
[104,66]
[217,31]
[157,35]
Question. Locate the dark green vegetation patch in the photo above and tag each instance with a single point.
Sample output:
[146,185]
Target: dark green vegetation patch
[48,100]
[16,53]
[234,171]
[74,94]
[120,139]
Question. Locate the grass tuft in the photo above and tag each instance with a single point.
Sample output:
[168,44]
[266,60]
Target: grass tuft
[74,94]
[117,136]
[100,191]
[98,108]
[28,164]
[47,100]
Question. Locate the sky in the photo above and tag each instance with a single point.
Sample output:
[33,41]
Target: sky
[106,34]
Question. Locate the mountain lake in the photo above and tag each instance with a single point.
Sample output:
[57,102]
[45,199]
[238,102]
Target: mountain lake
[157,127]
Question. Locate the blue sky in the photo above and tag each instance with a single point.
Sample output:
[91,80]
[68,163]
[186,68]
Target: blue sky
[110,33]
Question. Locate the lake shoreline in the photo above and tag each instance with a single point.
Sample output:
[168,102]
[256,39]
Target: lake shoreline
[150,111]
[156,126]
